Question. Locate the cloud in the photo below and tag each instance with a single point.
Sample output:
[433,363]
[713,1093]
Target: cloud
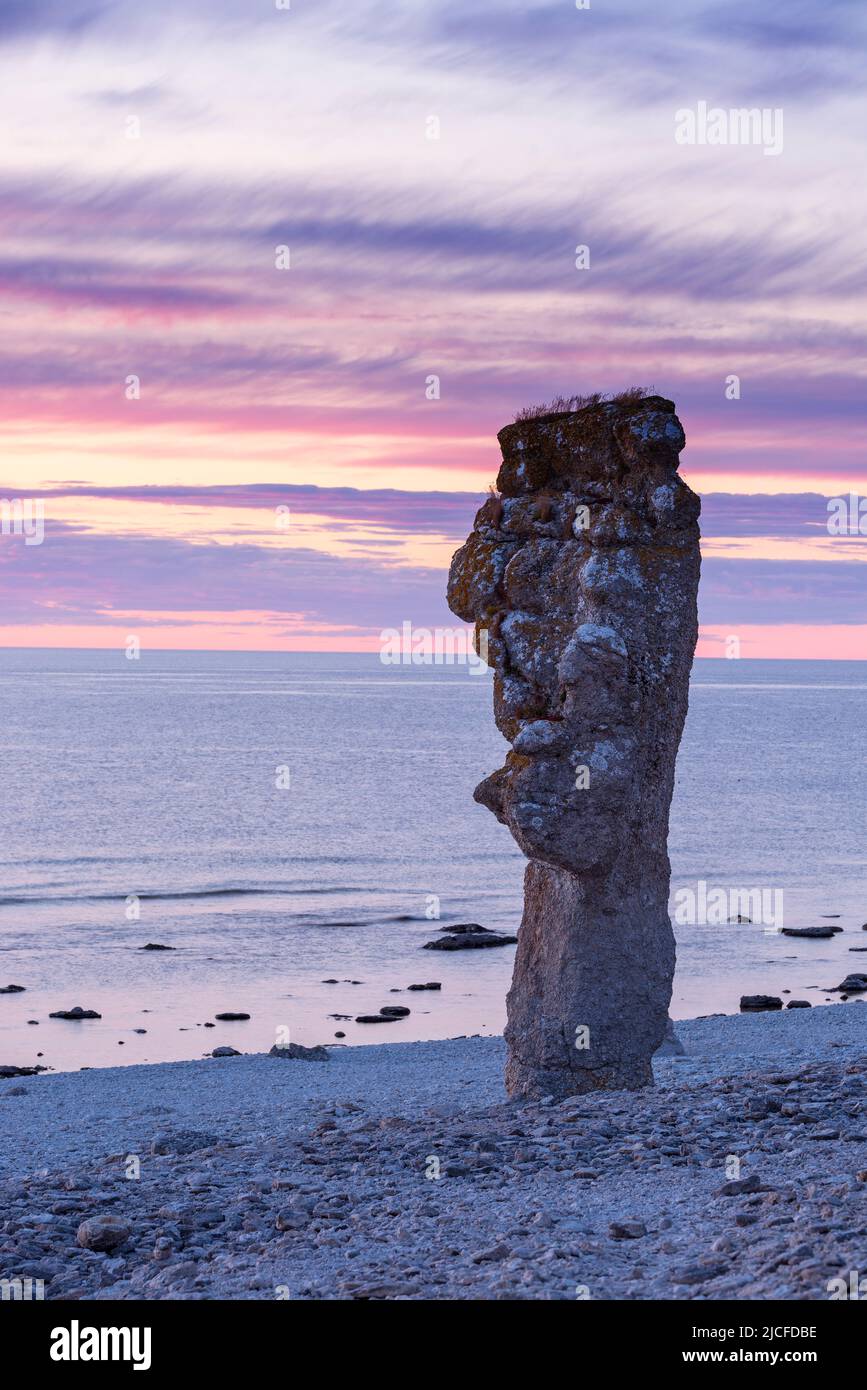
[784,515]
[72,579]
[64,18]
[223,241]
[774,592]
[79,577]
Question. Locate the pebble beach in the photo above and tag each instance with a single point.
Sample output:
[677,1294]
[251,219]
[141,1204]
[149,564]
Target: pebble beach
[402,1171]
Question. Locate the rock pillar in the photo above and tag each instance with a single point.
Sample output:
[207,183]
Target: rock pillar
[581,576]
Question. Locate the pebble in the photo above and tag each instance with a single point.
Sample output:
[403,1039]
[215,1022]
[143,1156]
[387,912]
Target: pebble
[335,1183]
[103,1232]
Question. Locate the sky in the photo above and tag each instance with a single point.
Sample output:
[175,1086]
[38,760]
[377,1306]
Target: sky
[237,241]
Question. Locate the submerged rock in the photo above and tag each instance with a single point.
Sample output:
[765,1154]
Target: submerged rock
[470,942]
[581,578]
[12,989]
[75,1014]
[467,929]
[853,984]
[157,946]
[433,984]
[231,1018]
[816,932]
[758,1003]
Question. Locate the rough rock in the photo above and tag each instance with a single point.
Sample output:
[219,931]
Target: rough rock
[581,578]
[103,1232]
[757,1002]
[627,1230]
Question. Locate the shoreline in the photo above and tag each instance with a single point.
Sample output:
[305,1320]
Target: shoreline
[259,1174]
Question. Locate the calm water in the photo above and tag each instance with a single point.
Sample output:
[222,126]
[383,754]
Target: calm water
[151,785]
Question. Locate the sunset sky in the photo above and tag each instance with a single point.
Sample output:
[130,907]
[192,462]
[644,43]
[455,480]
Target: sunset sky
[155,157]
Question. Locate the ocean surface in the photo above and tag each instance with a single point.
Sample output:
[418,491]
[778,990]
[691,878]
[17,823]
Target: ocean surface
[286,819]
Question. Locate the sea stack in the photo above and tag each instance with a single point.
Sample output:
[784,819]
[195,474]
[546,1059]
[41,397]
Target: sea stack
[581,576]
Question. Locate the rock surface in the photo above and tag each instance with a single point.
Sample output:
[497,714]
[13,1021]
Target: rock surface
[581,578]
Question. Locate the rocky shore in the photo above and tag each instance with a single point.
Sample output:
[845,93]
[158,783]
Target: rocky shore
[401,1171]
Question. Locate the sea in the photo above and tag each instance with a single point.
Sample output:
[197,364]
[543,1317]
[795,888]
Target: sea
[298,826]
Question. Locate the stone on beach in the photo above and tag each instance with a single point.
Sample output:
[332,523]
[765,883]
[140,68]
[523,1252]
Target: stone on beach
[757,1003]
[671,1046]
[294,1052]
[103,1232]
[581,577]
[183,1141]
[627,1230]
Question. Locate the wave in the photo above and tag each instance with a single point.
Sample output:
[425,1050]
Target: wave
[176,893]
[182,894]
